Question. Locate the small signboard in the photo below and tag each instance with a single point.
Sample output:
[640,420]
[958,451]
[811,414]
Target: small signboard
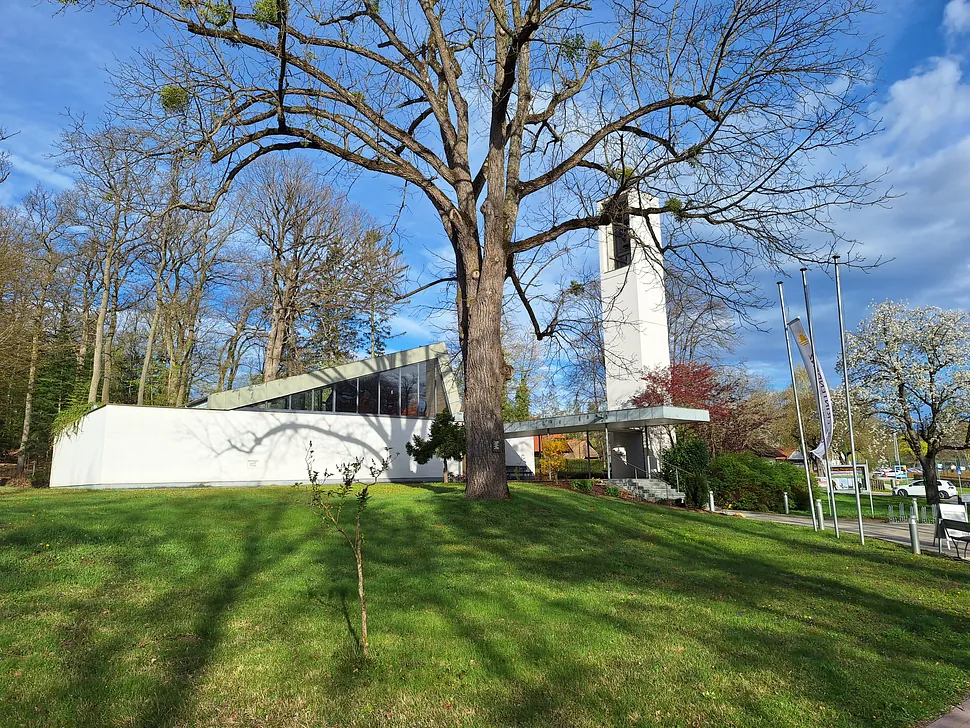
[842,477]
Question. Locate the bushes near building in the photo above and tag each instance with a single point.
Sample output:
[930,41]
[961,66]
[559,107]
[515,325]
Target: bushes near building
[685,466]
[749,482]
[739,480]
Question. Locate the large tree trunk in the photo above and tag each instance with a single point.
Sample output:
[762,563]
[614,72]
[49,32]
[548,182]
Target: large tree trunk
[930,478]
[485,386]
[185,370]
[274,345]
[149,343]
[99,342]
[29,401]
[109,352]
[170,357]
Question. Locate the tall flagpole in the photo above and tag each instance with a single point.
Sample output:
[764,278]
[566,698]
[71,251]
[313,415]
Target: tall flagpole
[848,405]
[818,402]
[798,409]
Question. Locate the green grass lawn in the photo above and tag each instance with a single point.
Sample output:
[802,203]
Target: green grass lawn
[216,607]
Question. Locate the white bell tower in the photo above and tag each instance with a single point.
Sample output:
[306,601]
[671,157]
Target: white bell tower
[634,302]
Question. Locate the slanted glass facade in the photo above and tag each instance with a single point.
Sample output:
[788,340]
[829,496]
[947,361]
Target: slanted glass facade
[415,390]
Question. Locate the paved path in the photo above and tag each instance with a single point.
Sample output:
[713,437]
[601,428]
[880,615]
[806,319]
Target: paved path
[894,532]
[959,717]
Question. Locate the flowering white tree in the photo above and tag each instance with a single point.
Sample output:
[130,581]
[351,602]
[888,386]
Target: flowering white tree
[912,365]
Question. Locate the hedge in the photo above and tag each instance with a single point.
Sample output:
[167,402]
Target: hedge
[749,482]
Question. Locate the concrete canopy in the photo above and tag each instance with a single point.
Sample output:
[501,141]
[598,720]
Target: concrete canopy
[624,419]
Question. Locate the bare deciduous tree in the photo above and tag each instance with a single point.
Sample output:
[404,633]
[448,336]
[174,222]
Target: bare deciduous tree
[238,312]
[322,253]
[513,119]
[113,175]
[4,156]
[47,220]
[702,327]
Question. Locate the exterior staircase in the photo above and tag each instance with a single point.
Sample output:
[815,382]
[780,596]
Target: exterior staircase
[651,489]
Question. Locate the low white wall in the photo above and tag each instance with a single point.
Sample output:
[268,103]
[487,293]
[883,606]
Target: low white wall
[121,446]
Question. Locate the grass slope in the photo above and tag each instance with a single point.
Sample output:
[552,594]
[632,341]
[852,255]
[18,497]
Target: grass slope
[229,607]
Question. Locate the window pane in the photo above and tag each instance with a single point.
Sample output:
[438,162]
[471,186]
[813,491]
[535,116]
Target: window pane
[391,392]
[299,401]
[622,251]
[424,386]
[280,403]
[410,376]
[346,393]
[323,399]
[367,395]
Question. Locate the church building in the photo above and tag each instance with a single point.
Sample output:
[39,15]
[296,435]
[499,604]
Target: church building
[261,434]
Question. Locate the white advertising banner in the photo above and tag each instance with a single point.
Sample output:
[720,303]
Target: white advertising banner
[827,415]
[842,477]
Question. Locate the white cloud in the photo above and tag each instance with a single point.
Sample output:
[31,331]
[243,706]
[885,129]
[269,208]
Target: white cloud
[956,16]
[40,172]
[927,110]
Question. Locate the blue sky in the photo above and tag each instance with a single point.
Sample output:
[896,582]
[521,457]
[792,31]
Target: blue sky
[52,63]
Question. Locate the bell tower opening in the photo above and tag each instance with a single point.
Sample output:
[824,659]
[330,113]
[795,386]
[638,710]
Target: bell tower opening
[620,233]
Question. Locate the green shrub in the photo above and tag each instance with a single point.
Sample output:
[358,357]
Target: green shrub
[689,456]
[613,490]
[743,480]
[695,488]
[584,485]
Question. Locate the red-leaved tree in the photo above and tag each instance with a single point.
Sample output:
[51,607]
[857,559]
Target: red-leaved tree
[740,408]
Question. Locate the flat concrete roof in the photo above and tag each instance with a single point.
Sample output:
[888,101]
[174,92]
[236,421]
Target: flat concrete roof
[624,419]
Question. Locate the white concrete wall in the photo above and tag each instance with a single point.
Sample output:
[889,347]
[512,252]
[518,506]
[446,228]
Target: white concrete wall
[634,301]
[127,446]
[521,451]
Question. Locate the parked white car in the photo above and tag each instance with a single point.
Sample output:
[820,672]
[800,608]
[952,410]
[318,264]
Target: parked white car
[918,489]
[892,473]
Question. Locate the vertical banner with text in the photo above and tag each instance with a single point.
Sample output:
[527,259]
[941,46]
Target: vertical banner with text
[826,415]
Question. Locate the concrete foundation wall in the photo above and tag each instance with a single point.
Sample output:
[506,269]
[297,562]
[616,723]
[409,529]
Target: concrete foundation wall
[122,446]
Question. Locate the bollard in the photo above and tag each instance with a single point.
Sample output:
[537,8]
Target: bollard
[784,497]
[710,500]
[821,515]
[914,533]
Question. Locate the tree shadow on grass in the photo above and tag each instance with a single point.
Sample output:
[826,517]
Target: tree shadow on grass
[180,628]
[571,608]
[843,629]
[336,598]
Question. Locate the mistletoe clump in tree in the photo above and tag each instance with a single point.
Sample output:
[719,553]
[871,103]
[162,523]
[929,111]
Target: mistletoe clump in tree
[446,440]
[911,367]
[512,120]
